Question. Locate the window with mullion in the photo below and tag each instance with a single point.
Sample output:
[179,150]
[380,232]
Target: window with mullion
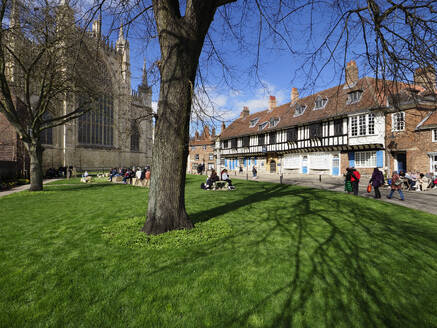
[338,127]
[362,125]
[234,143]
[272,137]
[261,139]
[398,121]
[354,126]
[292,135]
[371,123]
[246,141]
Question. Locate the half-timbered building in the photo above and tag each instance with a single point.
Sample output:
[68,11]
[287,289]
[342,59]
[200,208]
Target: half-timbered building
[322,133]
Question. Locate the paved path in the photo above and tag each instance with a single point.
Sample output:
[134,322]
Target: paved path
[420,200]
[21,188]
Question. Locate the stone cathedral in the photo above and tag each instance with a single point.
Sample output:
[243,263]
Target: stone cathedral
[116,134]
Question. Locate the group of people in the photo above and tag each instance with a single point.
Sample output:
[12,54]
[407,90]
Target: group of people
[62,172]
[414,181]
[213,178]
[128,174]
[418,181]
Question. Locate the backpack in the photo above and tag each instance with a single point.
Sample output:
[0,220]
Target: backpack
[356,175]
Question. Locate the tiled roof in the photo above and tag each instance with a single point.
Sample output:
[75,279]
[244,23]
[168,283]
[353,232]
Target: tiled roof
[430,122]
[200,142]
[374,95]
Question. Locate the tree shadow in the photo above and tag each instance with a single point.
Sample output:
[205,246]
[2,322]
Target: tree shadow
[348,263]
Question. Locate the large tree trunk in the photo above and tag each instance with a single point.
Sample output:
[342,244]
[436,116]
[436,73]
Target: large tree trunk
[181,41]
[36,175]
[166,209]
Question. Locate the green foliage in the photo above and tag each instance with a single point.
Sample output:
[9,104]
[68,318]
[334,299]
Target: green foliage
[127,233]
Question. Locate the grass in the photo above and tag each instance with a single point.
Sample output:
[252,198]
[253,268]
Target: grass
[285,256]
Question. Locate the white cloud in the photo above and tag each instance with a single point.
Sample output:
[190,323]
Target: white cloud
[226,105]
[155,106]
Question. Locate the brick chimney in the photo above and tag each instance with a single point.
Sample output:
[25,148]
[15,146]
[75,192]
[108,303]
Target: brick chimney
[205,133]
[213,132]
[425,77]
[272,102]
[351,74]
[196,135]
[294,95]
[223,127]
[245,112]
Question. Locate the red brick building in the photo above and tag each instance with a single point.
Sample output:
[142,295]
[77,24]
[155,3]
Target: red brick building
[411,127]
[201,150]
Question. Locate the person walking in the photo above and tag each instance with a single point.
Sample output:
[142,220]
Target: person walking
[396,184]
[377,180]
[347,180]
[355,180]
[254,171]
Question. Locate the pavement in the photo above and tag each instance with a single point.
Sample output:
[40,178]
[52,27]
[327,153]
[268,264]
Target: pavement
[420,200]
[21,188]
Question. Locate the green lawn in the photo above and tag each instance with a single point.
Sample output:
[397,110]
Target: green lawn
[284,256]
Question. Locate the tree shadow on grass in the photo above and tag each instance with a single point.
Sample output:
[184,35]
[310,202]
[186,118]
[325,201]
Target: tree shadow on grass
[265,194]
[361,272]
[353,262]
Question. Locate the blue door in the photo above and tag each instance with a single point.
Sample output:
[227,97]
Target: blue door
[335,165]
[305,164]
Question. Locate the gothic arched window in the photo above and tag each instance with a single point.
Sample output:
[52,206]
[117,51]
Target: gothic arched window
[46,136]
[134,137]
[96,125]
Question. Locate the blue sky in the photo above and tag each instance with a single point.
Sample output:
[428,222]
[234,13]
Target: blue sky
[282,61]
[277,73]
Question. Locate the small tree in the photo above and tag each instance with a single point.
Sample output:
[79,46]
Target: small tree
[46,61]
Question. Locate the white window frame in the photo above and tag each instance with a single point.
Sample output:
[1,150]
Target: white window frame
[354,97]
[434,135]
[323,100]
[396,124]
[204,147]
[274,121]
[362,125]
[354,126]
[253,122]
[211,157]
[300,112]
[365,159]
[371,124]
[263,126]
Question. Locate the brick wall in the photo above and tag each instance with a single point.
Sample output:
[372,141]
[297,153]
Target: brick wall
[203,156]
[415,144]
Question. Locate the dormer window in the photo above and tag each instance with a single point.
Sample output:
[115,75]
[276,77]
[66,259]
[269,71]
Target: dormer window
[253,122]
[274,121]
[354,97]
[320,103]
[263,126]
[299,109]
